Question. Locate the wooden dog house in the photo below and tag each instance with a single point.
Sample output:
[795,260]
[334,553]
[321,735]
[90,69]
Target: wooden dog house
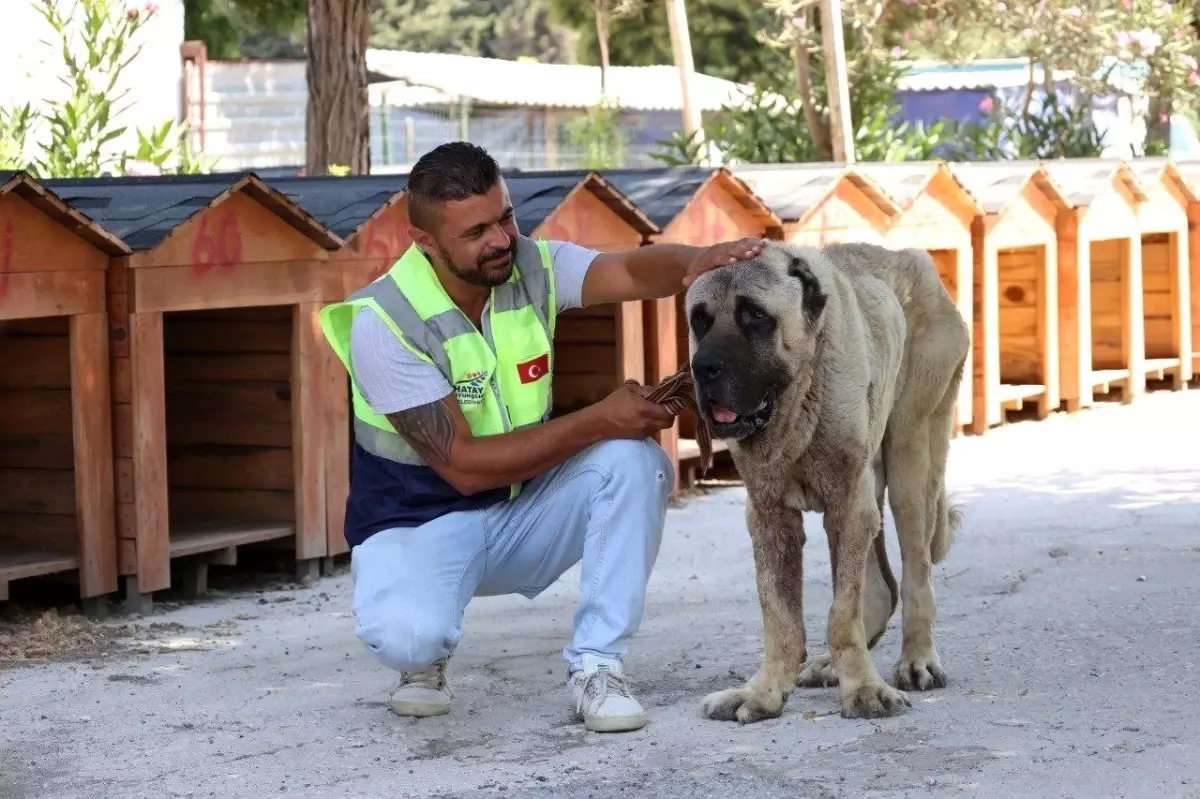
[1166,271]
[1015,319]
[599,347]
[219,388]
[701,207]
[56,467]
[370,214]
[820,204]
[936,215]
[1101,329]
[1190,172]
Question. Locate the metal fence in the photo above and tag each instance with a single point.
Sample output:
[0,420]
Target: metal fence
[253,118]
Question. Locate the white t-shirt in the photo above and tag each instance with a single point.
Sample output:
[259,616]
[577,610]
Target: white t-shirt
[392,379]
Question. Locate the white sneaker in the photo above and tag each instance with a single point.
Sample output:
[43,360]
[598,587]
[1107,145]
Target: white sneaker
[601,697]
[423,693]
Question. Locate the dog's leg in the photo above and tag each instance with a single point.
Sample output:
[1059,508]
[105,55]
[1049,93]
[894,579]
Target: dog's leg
[909,470]
[778,539]
[855,525]
[880,594]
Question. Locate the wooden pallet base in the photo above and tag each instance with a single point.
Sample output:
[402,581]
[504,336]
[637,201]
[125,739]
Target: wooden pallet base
[20,565]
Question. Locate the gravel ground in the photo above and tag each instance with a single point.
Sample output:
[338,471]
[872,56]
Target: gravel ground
[1066,625]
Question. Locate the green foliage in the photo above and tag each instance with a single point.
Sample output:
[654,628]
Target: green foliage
[598,135]
[81,126]
[247,28]
[723,34]
[489,28]
[1060,129]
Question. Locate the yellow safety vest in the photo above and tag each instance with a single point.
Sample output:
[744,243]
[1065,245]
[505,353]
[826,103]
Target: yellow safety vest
[501,375]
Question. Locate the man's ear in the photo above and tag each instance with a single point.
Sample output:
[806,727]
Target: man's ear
[422,238]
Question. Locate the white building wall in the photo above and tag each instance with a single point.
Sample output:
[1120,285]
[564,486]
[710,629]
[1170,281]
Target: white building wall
[30,70]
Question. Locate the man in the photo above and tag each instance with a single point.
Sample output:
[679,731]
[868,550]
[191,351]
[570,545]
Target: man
[461,485]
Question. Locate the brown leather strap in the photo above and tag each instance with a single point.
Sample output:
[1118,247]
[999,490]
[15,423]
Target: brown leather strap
[678,392]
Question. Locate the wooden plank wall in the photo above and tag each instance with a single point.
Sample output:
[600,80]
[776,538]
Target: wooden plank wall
[1021,297]
[1159,295]
[229,416]
[37,454]
[1107,289]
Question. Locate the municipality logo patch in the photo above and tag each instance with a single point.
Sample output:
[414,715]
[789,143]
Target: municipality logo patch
[470,390]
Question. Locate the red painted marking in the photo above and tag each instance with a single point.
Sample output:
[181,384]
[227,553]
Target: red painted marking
[386,239]
[218,242]
[7,241]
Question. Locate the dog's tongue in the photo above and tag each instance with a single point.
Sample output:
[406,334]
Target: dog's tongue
[723,414]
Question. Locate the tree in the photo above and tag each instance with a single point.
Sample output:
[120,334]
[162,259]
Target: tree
[1150,47]
[490,28]
[337,131]
[247,28]
[599,17]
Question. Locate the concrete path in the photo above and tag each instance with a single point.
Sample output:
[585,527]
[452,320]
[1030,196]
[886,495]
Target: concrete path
[1068,626]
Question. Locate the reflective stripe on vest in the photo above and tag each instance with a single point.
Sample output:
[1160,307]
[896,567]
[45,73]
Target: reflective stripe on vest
[486,368]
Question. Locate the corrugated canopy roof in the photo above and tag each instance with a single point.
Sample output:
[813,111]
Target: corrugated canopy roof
[495,81]
[53,206]
[143,211]
[342,204]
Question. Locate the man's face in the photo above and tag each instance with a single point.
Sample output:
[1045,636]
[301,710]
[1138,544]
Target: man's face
[474,238]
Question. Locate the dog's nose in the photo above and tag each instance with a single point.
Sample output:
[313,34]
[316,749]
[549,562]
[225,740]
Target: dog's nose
[706,365]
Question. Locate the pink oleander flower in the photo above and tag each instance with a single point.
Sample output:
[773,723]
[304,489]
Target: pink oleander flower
[151,8]
[1194,79]
[1128,4]
[986,105]
[897,52]
[1028,33]
[1189,62]
[1124,38]
[1074,11]
[132,13]
[1001,7]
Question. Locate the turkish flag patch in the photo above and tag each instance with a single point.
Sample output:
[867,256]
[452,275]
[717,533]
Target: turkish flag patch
[534,370]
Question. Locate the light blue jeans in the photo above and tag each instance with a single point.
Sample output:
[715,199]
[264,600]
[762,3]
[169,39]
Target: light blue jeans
[604,508]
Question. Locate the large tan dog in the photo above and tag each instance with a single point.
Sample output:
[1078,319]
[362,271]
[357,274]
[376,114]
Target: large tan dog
[832,374]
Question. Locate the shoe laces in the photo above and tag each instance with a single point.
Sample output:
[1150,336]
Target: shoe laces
[434,676]
[603,683]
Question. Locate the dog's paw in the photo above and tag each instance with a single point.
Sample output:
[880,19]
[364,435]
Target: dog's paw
[818,673]
[921,673]
[873,700]
[742,705]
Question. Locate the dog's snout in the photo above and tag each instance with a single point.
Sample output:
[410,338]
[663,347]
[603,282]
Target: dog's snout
[706,365]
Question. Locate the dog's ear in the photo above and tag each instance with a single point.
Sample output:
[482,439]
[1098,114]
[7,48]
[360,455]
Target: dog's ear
[814,298]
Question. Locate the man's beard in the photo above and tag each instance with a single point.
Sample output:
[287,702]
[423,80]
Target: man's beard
[477,276]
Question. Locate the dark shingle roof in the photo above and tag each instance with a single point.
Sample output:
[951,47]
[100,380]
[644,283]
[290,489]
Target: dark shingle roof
[342,204]
[661,193]
[49,203]
[537,195]
[142,211]
[1082,180]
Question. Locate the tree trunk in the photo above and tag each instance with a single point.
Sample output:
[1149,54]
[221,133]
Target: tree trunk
[602,20]
[337,131]
[816,128]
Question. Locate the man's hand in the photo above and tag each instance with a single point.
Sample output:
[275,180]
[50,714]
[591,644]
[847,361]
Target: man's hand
[626,413]
[723,254]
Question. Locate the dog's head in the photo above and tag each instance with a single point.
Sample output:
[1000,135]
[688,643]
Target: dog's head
[753,328]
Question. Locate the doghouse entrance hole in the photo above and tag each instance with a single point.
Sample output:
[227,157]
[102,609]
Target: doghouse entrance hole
[39,533]
[230,470]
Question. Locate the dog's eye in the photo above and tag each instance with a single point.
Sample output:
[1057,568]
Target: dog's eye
[701,321]
[753,319]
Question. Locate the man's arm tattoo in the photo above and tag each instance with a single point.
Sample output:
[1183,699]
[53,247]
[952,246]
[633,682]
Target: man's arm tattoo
[428,429]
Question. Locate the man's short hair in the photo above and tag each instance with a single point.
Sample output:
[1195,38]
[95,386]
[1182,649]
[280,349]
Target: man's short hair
[451,171]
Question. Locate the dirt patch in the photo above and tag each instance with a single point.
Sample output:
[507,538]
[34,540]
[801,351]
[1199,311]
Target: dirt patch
[29,637]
